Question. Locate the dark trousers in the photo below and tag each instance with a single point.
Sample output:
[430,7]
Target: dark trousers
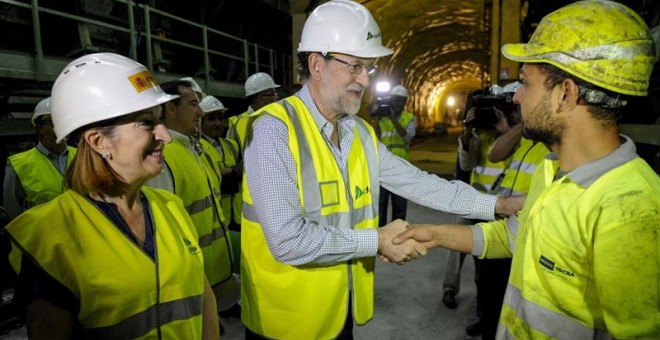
[346,332]
[492,276]
[399,206]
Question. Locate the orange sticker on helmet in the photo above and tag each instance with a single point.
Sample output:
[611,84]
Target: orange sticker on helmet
[142,81]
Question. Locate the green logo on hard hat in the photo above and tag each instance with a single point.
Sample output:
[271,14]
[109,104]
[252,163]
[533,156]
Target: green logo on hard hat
[372,36]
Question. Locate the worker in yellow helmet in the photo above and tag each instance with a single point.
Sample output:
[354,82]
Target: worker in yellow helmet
[585,255]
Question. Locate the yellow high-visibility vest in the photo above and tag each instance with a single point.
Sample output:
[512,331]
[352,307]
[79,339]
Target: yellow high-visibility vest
[391,138]
[40,179]
[121,291]
[281,301]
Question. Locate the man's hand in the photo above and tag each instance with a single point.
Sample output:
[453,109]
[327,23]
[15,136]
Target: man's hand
[402,252]
[457,237]
[509,205]
[470,115]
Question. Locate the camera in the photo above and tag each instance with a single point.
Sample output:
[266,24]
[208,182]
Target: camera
[483,102]
[381,107]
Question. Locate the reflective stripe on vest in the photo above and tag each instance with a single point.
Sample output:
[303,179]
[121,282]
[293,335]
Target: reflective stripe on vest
[232,204]
[237,133]
[191,184]
[518,176]
[531,321]
[141,323]
[391,138]
[168,300]
[39,178]
[326,200]
[486,173]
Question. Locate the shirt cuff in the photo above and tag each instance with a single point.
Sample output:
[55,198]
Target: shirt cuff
[485,207]
[478,241]
[367,245]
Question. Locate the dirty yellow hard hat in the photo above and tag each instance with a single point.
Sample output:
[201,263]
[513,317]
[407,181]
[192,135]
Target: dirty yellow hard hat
[601,42]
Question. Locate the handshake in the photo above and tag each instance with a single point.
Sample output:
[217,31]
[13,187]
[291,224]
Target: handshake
[398,244]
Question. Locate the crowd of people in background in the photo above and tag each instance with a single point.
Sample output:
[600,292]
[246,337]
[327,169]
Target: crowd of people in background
[145,211]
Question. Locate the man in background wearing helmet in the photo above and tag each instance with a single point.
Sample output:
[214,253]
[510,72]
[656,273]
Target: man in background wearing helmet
[192,174]
[396,131]
[259,92]
[519,157]
[214,124]
[588,235]
[36,176]
[313,171]
[483,123]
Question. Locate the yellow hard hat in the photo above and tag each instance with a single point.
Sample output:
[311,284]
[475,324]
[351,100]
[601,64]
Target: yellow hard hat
[601,42]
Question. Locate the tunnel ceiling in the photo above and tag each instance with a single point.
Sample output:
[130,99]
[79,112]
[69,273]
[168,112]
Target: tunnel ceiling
[441,47]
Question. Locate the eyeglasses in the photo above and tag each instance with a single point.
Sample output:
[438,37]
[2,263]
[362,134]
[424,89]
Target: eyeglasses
[355,68]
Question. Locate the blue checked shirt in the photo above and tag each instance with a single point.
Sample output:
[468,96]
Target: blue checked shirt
[292,239]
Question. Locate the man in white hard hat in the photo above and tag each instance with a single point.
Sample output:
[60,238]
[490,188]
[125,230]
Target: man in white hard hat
[260,90]
[313,170]
[396,130]
[584,248]
[36,176]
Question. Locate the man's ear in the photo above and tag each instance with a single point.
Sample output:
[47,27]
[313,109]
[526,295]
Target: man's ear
[314,61]
[169,110]
[569,95]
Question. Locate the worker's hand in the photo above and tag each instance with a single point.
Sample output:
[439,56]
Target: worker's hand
[425,234]
[399,253]
[509,205]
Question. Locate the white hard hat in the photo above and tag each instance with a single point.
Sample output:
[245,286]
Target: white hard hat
[399,91]
[342,26]
[42,108]
[195,86]
[100,86]
[210,104]
[259,82]
[496,89]
[511,87]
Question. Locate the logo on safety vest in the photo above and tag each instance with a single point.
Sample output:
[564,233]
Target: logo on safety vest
[360,192]
[372,36]
[550,265]
[192,247]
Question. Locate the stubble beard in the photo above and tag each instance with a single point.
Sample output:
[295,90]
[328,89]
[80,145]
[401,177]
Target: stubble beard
[544,128]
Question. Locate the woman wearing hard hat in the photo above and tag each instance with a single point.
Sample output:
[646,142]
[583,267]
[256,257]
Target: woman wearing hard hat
[110,258]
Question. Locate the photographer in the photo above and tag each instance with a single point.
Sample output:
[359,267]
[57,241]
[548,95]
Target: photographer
[488,115]
[395,128]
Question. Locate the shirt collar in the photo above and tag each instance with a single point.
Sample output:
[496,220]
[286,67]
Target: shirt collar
[210,140]
[180,137]
[588,173]
[42,148]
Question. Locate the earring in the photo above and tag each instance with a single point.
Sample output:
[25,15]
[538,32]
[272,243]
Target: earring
[106,154]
